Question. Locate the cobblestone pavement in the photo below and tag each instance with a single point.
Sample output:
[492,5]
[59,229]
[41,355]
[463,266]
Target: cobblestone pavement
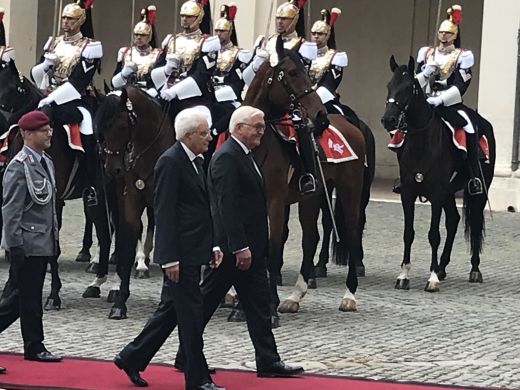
[467,334]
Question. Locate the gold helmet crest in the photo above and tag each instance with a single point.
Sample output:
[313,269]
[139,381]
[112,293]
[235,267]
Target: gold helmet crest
[227,16]
[451,24]
[328,18]
[145,26]
[75,11]
[290,10]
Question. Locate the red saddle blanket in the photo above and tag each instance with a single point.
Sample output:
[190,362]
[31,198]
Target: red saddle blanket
[458,138]
[72,131]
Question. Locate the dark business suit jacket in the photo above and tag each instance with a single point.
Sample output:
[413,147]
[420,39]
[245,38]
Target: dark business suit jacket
[183,220]
[238,202]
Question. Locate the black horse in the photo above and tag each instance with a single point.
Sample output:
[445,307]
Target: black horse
[431,167]
[18,96]
[135,131]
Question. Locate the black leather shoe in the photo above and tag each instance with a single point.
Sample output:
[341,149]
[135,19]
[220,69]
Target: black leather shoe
[2,370]
[132,374]
[180,366]
[279,369]
[44,356]
[206,386]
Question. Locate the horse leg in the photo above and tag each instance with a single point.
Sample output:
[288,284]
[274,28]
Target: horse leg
[474,221]
[434,237]
[326,221]
[408,204]
[141,270]
[130,227]
[451,223]
[277,218]
[308,211]
[148,242]
[53,301]
[97,214]
[84,254]
[278,276]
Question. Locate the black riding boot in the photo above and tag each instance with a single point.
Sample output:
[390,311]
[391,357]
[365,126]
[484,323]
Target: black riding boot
[307,181]
[89,145]
[475,186]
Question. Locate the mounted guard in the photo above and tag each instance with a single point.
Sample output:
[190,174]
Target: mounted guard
[65,75]
[135,63]
[444,73]
[184,70]
[228,80]
[287,20]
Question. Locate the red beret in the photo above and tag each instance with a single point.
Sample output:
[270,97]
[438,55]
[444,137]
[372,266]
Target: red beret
[33,120]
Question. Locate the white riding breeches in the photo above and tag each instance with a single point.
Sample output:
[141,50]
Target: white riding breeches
[469,127]
[85,127]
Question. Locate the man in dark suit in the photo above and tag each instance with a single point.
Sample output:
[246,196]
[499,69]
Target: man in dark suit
[30,233]
[183,243]
[239,211]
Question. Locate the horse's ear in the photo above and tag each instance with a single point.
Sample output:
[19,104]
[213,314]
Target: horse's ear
[106,87]
[280,50]
[393,64]
[411,65]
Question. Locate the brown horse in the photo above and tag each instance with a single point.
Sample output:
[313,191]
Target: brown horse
[135,131]
[277,90]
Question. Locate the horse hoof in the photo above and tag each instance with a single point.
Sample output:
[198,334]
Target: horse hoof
[83,257]
[142,274]
[112,295]
[229,301]
[320,272]
[348,305]
[475,277]
[117,313]
[431,287]
[311,284]
[360,271]
[53,304]
[92,268]
[402,284]
[92,292]
[288,306]
[237,315]
[441,274]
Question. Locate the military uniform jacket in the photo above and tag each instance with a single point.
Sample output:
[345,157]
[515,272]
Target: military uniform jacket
[143,60]
[228,81]
[29,207]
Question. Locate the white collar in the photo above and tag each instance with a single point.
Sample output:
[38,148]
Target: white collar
[190,154]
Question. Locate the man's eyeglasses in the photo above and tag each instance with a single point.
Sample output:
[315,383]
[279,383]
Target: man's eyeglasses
[257,127]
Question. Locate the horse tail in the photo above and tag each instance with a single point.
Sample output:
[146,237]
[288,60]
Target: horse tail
[340,248]
[474,222]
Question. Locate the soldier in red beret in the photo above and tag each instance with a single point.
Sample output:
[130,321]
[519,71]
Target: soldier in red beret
[30,233]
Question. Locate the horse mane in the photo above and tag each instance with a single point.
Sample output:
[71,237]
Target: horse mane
[106,113]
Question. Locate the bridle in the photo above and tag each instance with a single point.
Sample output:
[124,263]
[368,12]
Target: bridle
[21,90]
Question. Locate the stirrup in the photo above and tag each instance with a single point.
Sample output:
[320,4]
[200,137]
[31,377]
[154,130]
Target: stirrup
[475,186]
[91,197]
[307,183]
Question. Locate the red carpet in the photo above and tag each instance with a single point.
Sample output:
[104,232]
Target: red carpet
[74,373]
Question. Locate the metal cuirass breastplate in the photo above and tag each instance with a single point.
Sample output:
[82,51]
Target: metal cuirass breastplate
[288,42]
[144,61]
[187,46]
[226,59]
[447,62]
[68,54]
[320,65]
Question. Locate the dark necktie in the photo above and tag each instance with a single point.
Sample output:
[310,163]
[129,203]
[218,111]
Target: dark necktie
[199,162]
[252,160]
[45,166]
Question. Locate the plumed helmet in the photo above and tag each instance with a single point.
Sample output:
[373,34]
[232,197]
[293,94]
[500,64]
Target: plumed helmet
[227,17]
[194,8]
[328,18]
[145,26]
[454,17]
[77,11]
[290,10]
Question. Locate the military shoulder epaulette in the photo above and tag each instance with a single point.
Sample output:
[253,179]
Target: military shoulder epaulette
[22,156]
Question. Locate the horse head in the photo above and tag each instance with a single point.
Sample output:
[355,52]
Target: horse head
[15,87]
[111,123]
[402,89]
[287,85]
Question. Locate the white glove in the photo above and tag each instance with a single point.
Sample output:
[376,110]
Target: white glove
[435,101]
[168,94]
[430,69]
[49,59]
[260,57]
[172,62]
[45,102]
[128,70]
